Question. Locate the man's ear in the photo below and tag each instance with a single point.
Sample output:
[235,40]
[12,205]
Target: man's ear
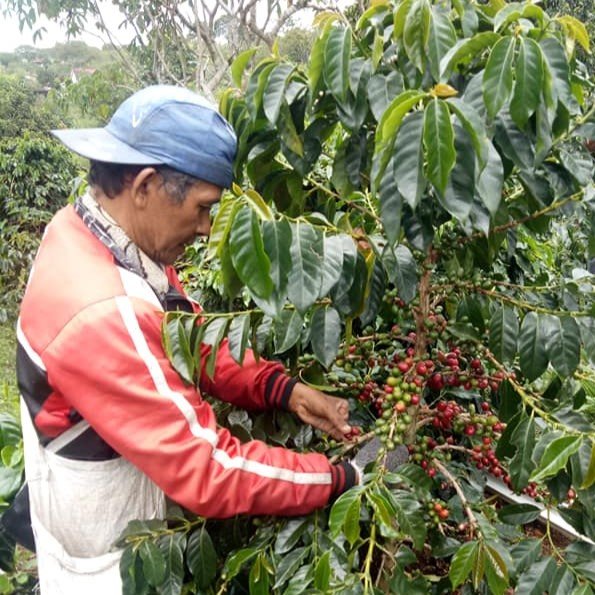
[144,184]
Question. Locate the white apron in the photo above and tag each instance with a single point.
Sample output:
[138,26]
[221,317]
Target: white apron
[78,510]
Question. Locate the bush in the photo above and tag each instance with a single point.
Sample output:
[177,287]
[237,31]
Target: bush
[36,178]
[414,236]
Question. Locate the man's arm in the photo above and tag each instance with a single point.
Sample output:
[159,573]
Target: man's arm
[264,385]
[109,364]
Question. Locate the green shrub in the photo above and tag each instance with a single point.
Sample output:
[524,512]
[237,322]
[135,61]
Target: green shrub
[36,177]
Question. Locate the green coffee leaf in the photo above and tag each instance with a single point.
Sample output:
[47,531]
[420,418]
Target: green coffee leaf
[532,351]
[290,534]
[236,560]
[589,478]
[382,89]
[563,344]
[504,329]
[259,577]
[537,578]
[465,50]
[322,573]
[498,75]
[336,61]
[274,95]
[239,333]
[522,465]
[326,335]
[555,457]
[153,563]
[408,161]
[438,137]
[387,129]
[496,571]
[557,64]
[462,563]
[340,509]
[442,37]
[276,236]
[519,514]
[391,203]
[416,32]
[287,328]
[289,564]
[305,276]
[528,81]
[332,263]
[247,253]
[238,66]
[201,558]
[171,547]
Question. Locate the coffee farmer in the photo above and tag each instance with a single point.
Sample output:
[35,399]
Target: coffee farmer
[110,429]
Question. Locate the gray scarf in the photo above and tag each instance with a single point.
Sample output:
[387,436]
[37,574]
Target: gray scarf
[125,251]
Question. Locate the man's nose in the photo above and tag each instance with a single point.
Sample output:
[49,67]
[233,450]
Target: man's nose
[204,226]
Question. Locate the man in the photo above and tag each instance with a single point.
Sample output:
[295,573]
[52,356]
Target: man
[110,429]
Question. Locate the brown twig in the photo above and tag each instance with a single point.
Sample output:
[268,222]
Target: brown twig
[473,524]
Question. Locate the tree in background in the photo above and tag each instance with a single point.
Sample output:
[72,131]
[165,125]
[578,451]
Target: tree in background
[22,108]
[189,43]
[36,179]
[36,176]
[296,43]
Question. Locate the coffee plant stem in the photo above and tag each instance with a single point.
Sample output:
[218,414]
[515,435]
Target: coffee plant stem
[467,451]
[515,223]
[531,402]
[348,203]
[525,287]
[519,303]
[355,443]
[421,314]
[473,524]
[368,583]
[580,121]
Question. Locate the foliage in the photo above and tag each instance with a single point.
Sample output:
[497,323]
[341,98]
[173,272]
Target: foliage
[190,42]
[414,234]
[36,176]
[22,109]
[18,567]
[295,44]
[8,381]
[94,97]
[581,10]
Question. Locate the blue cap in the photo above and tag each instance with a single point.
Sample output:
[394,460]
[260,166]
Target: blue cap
[162,125]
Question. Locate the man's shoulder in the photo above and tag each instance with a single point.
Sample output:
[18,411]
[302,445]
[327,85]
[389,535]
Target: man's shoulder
[72,270]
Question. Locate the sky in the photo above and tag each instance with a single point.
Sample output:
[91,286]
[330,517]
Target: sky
[11,37]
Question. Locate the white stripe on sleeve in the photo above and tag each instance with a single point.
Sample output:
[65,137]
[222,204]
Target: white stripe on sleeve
[222,457]
[140,343]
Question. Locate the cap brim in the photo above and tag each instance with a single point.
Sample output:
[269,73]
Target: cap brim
[99,145]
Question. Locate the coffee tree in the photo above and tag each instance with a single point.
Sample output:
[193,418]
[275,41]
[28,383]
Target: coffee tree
[411,229]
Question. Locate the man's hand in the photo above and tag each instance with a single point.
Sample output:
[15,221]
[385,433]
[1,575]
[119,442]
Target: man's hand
[326,413]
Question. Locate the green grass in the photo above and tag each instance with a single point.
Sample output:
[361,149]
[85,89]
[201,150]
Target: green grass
[9,395]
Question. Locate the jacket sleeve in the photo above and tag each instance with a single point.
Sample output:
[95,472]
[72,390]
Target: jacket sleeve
[253,385]
[108,363]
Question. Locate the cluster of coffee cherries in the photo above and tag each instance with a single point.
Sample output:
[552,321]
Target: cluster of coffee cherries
[438,511]
[454,424]
[456,371]
[424,452]
[399,396]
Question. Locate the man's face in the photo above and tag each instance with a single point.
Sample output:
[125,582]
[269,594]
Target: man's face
[162,228]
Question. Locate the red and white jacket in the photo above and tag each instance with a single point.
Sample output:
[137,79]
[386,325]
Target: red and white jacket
[89,346]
